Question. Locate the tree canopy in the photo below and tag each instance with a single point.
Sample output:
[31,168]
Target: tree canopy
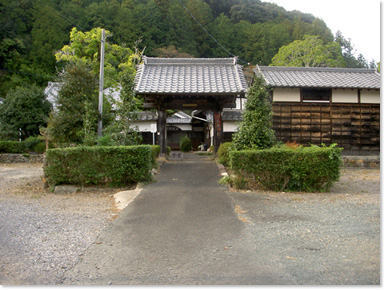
[24,110]
[33,32]
[309,52]
[76,117]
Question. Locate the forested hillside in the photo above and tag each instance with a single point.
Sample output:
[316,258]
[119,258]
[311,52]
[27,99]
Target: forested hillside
[32,31]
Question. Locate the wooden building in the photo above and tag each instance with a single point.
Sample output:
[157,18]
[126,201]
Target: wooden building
[326,105]
[190,84]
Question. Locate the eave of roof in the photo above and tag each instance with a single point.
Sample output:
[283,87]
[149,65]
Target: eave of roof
[319,77]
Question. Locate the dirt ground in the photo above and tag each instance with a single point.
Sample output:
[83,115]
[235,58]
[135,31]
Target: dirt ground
[43,234]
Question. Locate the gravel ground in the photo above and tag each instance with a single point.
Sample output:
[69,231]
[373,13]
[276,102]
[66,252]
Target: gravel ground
[43,234]
[319,238]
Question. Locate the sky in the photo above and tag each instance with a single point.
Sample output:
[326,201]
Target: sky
[357,20]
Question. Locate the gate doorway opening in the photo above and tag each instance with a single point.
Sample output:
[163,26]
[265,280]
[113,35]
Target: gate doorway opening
[197,125]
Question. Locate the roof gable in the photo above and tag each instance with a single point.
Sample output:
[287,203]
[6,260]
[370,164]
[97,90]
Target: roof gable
[312,77]
[191,76]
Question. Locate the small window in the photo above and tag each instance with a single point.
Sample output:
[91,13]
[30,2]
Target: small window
[316,95]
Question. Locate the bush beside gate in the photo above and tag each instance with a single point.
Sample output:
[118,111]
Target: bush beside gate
[302,169]
[99,165]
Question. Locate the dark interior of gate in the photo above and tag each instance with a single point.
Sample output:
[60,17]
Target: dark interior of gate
[200,87]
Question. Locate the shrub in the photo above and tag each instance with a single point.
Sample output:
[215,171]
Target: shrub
[185,144]
[156,150]
[223,153]
[39,147]
[110,165]
[12,147]
[31,142]
[105,140]
[303,169]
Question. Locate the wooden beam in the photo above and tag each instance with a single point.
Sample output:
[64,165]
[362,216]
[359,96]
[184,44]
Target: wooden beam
[150,105]
[229,105]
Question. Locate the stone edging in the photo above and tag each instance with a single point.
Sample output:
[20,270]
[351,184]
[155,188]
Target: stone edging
[21,158]
[361,161]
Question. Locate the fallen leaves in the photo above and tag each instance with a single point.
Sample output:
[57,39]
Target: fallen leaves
[240,211]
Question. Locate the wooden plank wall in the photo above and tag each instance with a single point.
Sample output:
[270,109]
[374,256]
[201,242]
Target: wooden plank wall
[355,127]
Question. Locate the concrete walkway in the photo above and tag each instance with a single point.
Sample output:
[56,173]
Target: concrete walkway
[182,230]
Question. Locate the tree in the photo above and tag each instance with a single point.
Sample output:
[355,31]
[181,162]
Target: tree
[75,121]
[348,52]
[170,51]
[202,12]
[120,131]
[252,11]
[76,103]
[255,129]
[180,30]
[48,35]
[309,52]
[23,111]
[263,40]
[85,47]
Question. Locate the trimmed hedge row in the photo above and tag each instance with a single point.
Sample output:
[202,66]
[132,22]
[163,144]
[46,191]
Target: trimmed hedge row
[303,169]
[32,144]
[12,147]
[99,165]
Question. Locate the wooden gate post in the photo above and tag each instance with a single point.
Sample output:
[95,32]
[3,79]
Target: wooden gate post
[218,130]
[162,132]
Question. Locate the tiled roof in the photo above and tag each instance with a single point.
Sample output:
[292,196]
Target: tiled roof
[179,117]
[175,120]
[190,76]
[319,77]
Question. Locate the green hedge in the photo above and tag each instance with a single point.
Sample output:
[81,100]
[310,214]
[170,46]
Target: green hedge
[13,147]
[99,165]
[31,144]
[223,153]
[303,169]
[156,151]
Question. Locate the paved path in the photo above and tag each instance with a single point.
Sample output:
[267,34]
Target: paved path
[180,230]
[187,229]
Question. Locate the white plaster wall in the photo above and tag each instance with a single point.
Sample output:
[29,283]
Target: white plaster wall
[240,102]
[344,96]
[370,96]
[286,95]
[230,126]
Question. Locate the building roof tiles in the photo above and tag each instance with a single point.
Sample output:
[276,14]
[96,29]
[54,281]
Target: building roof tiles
[190,76]
[319,77]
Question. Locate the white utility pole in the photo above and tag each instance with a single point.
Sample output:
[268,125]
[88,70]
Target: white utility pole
[100,122]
